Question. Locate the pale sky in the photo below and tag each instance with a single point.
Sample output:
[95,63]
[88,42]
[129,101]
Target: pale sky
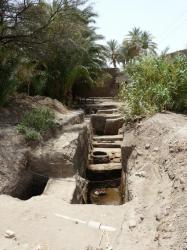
[165,19]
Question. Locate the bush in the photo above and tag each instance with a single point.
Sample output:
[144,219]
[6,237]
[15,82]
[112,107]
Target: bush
[35,123]
[157,84]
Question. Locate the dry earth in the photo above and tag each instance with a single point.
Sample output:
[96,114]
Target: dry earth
[155,155]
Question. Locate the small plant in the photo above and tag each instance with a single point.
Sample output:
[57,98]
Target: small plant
[32,135]
[36,122]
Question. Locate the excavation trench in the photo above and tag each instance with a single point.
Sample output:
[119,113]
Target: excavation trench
[104,181]
[105,176]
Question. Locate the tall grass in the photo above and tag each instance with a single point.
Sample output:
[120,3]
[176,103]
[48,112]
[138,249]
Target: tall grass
[156,84]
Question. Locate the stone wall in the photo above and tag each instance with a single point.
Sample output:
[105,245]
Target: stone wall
[109,89]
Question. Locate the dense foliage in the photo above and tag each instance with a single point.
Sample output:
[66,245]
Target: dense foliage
[54,47]
[156,84]
[53,50]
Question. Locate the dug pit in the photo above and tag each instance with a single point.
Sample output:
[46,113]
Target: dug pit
[34,187]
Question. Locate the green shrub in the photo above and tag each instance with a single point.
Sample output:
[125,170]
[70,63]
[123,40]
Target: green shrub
[36,122]
[157,83]
[30,134]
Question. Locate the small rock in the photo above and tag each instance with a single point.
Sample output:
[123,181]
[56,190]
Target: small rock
[156,149]
[9,234]
[139,153]
[171,176]
[156,237]
[171,150]
[147,146]
[183,188]
[141,218]
[132,224]
[158,217]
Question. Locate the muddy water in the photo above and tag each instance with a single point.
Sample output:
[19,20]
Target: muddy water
[106,196]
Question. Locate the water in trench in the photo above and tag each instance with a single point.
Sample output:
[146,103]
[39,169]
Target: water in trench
[105,188]
[105,196]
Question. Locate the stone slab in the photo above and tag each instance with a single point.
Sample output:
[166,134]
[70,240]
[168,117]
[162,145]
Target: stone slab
[63,188]
[112,126]
[108,138]
[105,167]
[106,145]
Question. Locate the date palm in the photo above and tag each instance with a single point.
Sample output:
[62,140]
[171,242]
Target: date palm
[78,55]
[112,52]
[136,43]
[147,42]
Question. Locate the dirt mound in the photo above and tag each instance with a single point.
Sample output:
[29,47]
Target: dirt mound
[12,113]
[155,157]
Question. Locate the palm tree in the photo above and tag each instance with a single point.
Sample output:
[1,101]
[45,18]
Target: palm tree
[134,37]
[137,42]
[134,42]
[90,70]
[112,52]
[147,42]
[79,58]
